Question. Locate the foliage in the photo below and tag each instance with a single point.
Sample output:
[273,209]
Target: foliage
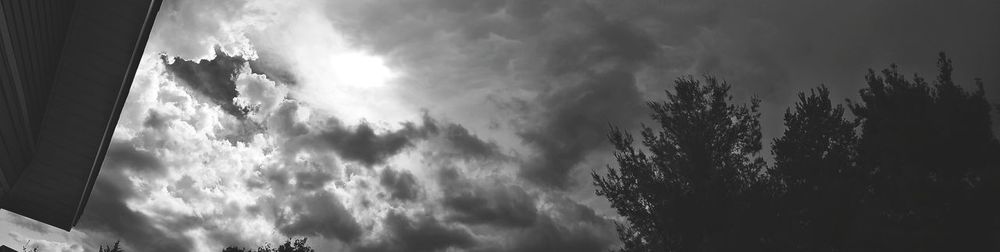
[917,169]
[24,248]
[932,160]
[684,196]
[816,182]
[299,245]
[111,248]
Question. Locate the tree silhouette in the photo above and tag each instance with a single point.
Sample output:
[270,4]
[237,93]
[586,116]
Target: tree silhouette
[111,248]
[24,248]
[816,181]
[299,245]
[932,158]
[918,169]
[704,158]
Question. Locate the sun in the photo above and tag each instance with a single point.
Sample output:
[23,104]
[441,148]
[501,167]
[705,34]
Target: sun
[360,70]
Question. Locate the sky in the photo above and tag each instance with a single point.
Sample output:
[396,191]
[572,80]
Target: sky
[454,125]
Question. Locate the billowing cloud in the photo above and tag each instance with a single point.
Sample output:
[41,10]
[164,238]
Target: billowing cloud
[569,227]
[44,245]
[428,125]
[129,157]
[312,180]
[402,185]
[459,141]
[274,67]
[319,214]
[215,79]
[107,212]
[191,29]
[575,124]
[520,50]
[419,233]
[361,144]
[486,204]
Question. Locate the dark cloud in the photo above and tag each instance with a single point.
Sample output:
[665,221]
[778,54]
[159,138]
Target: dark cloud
[215,79]
[184,189]
[273,67]
[283,120]
[303,208]
[576,123]
[109,217]
[580,65]
[361,144]
[580,58]
[550,235]
[604,43]
[465,144]
[239,131]
[578,229]
[312,180]
[502,206]
[510,212]
[125,156]
[107,212]
[776,48]
[420,233]
[156,120]
[402,185]
[485,204]
[604,52]
[319,213]
[277,179]
[771,48]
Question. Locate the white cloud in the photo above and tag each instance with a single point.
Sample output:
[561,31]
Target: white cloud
[44,245]
[336,76]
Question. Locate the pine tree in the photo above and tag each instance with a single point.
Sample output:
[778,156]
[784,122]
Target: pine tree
[933,160]
[819,186]
[687,194]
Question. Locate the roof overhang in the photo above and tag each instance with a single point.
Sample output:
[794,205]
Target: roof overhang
[104,42]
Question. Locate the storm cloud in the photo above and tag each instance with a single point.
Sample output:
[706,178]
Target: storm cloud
[576,123]
[401,184]
[319,214]
[361,144]
[489,117]
[485,204]
[108,213]
[771,49]
[419,233]
[215,79]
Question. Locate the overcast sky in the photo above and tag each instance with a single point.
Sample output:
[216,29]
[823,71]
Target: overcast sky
[426,125]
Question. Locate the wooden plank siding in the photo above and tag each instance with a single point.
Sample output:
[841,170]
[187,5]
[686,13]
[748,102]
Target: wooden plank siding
[78,65]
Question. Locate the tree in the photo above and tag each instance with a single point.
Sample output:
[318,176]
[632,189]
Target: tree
[111,248]
[299,245]
[932,157]
[817,182]
[917,170]
[24,248]
[688,194]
